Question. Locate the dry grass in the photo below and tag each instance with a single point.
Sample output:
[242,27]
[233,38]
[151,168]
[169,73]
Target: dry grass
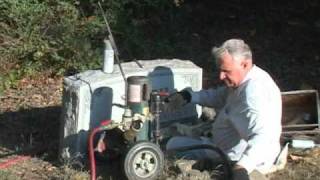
[302,164]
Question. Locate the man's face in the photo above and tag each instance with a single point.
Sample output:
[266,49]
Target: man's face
[231,72]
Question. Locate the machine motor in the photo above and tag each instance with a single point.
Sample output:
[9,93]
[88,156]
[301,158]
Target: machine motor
[137,134]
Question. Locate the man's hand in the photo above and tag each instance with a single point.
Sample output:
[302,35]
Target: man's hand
[240,173]
[176,101]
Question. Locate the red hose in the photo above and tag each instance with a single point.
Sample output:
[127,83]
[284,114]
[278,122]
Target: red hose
[91,150]
[13,161]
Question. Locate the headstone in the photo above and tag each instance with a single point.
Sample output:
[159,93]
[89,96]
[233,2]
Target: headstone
[88,98]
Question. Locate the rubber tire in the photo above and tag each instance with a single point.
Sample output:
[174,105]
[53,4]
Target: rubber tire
[140,149]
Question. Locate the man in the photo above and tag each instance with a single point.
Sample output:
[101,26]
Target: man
[248,123]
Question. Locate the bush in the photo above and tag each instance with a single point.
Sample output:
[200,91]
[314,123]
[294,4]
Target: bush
[48,34]
[56,35]
[143,29]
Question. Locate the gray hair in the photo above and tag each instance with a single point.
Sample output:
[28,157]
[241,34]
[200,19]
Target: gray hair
[237,48]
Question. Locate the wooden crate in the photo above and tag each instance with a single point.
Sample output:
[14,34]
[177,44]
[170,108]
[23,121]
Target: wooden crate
[300,112]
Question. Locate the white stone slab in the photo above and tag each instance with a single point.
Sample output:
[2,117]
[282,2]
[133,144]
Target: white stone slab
[88,97]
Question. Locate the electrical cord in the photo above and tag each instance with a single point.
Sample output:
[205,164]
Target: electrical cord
[226,162]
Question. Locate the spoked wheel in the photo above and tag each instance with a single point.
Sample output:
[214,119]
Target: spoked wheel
[143,161]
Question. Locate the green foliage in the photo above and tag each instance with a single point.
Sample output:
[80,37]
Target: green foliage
[145,26]
[57,35]
[140,27]
[47,34]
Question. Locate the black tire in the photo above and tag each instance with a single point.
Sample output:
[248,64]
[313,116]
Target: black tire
[143,161]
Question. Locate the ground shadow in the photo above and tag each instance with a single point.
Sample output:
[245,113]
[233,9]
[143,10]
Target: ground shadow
[31,131]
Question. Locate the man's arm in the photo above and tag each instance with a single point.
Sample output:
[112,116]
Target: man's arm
[215,98]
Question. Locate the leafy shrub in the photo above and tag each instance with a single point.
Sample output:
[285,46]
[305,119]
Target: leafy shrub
[48,34]
[143,29]
[56,35]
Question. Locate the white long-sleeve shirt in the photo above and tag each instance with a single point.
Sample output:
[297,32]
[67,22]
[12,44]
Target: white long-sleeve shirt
[248,124]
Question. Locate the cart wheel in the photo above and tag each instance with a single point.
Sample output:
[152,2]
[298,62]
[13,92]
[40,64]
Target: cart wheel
[144,160]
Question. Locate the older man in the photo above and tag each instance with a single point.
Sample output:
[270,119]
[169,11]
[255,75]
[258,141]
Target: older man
[248,124]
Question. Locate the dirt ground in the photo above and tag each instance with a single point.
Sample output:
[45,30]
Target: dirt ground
[29,126]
